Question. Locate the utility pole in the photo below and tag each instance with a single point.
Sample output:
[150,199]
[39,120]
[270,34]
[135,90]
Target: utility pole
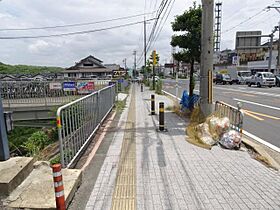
[4,146]
[145,46]
[278,57]
[124,61]
[271,48]
[270,52]
[154,64]
[206,69]
[134,70]
[278,60]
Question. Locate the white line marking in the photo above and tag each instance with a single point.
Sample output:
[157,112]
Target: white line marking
[171,95]
[271,146]
[248,91]
[263,105]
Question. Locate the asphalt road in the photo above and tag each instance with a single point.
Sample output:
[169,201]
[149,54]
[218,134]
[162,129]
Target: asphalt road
[261,106]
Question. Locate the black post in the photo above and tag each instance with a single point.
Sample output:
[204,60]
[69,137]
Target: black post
[154,81]
[161,116]
[141,87]
[153,105]
[4,146]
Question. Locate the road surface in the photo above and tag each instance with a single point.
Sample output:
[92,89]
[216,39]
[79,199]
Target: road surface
[261,106]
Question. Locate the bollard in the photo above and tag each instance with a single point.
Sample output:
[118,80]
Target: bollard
[153,105]
[58,187]
[141,87]
[161,116]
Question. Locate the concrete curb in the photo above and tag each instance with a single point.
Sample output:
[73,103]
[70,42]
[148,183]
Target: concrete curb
[259,149]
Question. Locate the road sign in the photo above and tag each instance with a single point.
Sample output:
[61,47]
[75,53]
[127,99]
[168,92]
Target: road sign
[69,86]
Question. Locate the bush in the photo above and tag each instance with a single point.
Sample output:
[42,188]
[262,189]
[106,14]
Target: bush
[17,137]
[159,87]
[36,142]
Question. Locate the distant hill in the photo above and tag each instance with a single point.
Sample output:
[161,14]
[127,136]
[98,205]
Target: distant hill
[26,69]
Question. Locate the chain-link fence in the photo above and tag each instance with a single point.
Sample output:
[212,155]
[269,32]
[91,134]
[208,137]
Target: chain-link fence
[78,121]
[45,93]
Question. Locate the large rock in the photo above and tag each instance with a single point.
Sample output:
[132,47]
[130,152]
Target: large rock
[37,191]
[13,172]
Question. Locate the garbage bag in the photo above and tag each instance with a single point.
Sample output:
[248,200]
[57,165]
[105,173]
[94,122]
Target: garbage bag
[218,126]
[231,139]
[204,134]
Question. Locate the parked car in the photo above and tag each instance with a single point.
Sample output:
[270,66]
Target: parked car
[243,77]
[277,80]
[223,79]
[262,79]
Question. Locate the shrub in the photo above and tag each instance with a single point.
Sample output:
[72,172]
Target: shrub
[159,87]
[36,142]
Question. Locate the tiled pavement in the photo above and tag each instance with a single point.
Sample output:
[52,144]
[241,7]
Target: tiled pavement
[173,174]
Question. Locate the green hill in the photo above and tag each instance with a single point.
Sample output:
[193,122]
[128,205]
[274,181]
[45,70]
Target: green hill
[26,69]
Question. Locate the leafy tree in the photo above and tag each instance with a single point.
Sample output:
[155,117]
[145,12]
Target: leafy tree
[26,69]
[190,41]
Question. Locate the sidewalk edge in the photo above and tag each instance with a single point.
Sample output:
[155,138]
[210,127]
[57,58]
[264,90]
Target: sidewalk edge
[259,149]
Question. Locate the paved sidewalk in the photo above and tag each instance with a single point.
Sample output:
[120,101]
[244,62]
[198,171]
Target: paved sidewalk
[174,174]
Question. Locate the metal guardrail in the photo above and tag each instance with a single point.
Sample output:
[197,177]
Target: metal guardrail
[234,114]
[78,121]
[40,92]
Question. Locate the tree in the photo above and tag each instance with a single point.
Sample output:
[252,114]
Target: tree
[190,41]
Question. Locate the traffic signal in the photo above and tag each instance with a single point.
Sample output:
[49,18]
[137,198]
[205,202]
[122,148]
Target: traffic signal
[154,58]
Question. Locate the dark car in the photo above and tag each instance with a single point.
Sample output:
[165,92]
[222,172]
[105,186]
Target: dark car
[223,79]
[277,80]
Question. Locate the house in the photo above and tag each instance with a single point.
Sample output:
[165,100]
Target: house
[8,78]
[89,67]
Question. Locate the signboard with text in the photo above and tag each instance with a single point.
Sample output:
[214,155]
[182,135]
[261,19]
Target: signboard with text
[85,87]
[55,86]
[69,86]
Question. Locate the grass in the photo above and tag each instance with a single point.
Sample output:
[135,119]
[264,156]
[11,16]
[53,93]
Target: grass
[28,141]
[120,105]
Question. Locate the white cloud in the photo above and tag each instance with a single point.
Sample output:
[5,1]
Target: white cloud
[38,46]
[111,46]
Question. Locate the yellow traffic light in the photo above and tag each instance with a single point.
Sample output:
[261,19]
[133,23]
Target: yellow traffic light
[154,58]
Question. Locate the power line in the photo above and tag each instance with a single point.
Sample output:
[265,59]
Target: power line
[155,31]
[151,36]
[73,33]
[159,30]
[244,21]
[76,24]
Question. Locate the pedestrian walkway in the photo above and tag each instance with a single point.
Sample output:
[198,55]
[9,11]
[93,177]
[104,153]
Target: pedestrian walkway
[146,169]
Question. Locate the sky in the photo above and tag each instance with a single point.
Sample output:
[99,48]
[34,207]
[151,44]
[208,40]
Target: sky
[114,45]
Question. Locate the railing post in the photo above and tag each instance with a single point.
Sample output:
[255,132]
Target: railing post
[45,94]
[59,128]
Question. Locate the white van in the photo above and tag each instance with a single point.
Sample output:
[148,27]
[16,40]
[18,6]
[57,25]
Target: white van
[262,79]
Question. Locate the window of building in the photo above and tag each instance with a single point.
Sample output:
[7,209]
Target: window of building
[88,64]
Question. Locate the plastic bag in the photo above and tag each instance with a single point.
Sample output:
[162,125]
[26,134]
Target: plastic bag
[222,126]
[231,139]
[204,134]
[188,102]
[217,126]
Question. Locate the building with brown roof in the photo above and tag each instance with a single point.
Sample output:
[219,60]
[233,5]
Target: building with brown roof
[89,67]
